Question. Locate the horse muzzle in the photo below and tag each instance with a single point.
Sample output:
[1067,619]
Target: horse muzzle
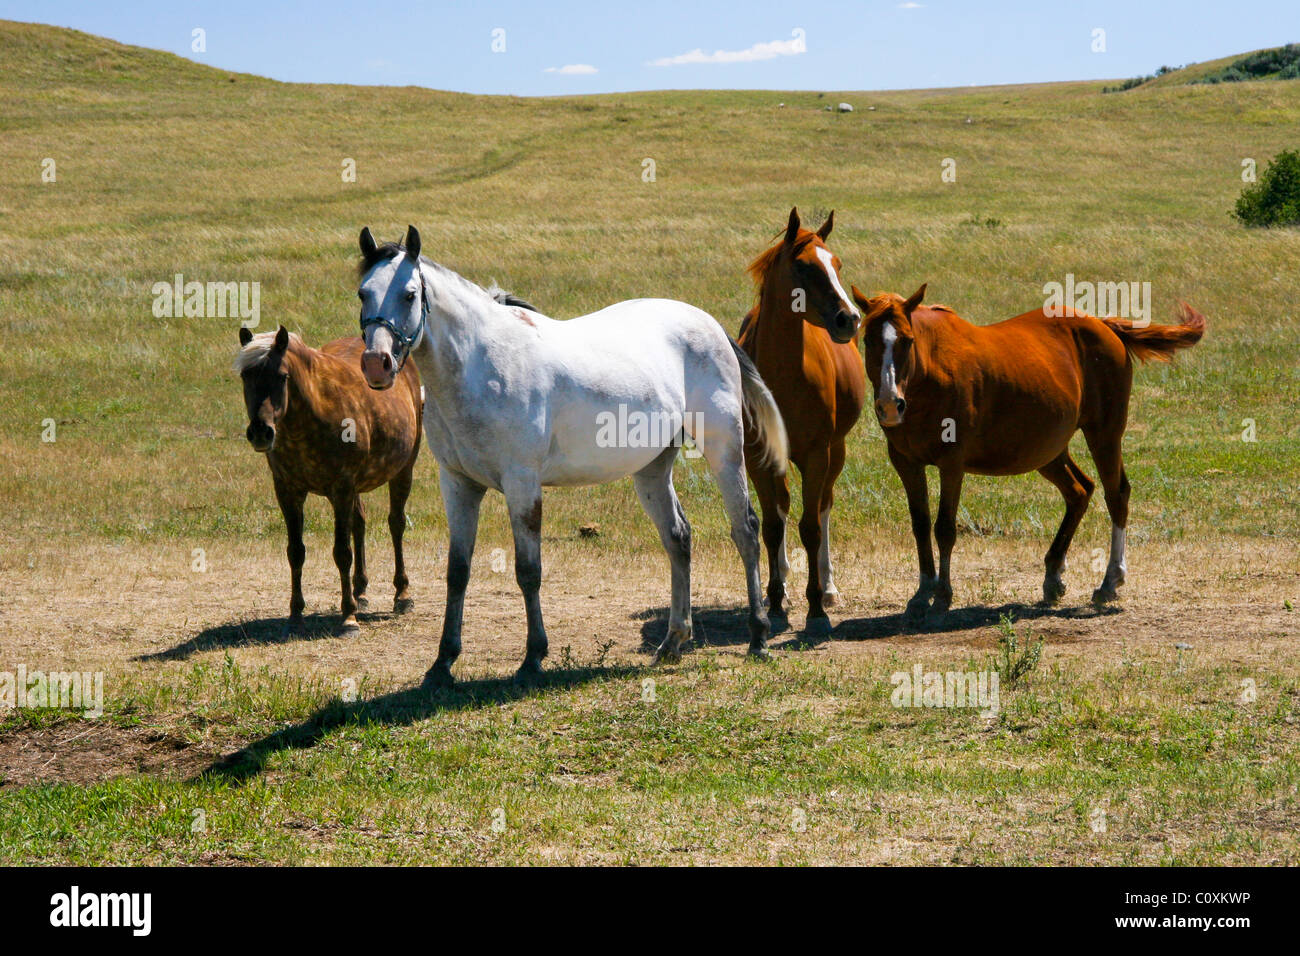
[378,369]
[842,326]
[890,411]
[261,436]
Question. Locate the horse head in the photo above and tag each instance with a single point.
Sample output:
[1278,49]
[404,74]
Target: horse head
[888,343]
[813,272]
[395,302]
[262,367]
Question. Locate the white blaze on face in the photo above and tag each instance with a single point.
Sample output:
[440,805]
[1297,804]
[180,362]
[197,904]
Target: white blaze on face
[828,262]
[888,383]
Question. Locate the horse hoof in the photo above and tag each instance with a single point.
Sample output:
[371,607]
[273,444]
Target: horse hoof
[759,654]
[667,655]
[362,602]
[349,628]
[1104,595]
[529,673]
[1053,591]
[934,618]
[402,605]
[819,626]
[293,627]
[438,678]
[830,598]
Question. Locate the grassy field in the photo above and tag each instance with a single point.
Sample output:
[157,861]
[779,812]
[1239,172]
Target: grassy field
[165,167]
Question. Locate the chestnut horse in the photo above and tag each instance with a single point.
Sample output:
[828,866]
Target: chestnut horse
[325,432]
[818,386]
[1005,399]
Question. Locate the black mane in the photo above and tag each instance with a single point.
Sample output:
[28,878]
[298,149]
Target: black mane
[390,250]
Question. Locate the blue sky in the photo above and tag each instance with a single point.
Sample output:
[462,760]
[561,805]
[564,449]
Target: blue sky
[567,47]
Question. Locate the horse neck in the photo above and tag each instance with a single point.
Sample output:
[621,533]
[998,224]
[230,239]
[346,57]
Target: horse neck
[305,398]
[460,325]
[776,321]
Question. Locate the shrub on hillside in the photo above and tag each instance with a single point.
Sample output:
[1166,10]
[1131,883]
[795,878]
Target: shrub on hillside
[1280,63]
[1275,199]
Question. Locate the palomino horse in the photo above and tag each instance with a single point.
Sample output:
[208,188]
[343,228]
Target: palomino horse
[818,385]
[324,432]
[517,401]
[1005,399]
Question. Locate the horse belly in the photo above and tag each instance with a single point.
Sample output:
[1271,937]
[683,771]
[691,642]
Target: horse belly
[598,442]
[1024,443]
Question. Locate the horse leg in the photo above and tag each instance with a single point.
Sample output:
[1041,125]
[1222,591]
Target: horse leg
[814,469]
[1109,458]
[830,593]
[724,451]
[399,489]
[774,502]
[344,507]
[461,498]
[945,535]
[912,474]
[654,487]
[359,579]
[291,502]
[1076,488]
[523,493]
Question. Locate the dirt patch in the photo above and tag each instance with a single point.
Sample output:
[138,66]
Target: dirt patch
[82,754]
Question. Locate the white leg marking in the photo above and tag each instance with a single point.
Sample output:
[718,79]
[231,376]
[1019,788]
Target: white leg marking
[1117,569]
[783,557]
[824,569]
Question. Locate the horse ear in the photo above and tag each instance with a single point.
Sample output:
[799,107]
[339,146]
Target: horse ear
[412,243]
[827,226]
[792,227]
[368,245]
[281,339]
[863,302]
[917,297]
[245,335]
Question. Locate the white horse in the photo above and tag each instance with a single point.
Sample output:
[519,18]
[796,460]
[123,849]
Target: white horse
[517,401]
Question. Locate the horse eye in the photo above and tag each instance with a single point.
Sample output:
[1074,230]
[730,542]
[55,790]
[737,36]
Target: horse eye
[410,297]
[361,295]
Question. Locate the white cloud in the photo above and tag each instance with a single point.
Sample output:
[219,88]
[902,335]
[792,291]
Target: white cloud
[759,51]
[573,69]
[910,6]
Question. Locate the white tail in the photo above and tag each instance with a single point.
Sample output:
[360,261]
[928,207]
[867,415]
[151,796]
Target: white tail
[761,414]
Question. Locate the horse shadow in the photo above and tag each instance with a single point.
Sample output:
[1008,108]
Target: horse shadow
[711,626]
[975,617]
[398,709]
[266,630]
[727,626]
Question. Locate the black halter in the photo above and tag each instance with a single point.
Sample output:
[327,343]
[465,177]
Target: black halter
[406,342]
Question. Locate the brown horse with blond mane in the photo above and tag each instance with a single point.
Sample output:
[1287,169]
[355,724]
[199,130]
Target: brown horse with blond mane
[818,385]
[1005,399]
[325,432]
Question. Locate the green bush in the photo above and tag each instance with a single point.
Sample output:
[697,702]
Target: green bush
[1280,63]
[1275,199]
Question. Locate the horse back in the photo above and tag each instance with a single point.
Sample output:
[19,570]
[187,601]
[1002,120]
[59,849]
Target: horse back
[352,435]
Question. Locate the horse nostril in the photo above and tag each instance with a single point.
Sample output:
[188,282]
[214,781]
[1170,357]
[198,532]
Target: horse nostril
[901,406]
[388,362]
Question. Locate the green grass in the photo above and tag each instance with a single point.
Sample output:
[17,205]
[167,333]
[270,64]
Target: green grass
[169,167]
[715,768]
